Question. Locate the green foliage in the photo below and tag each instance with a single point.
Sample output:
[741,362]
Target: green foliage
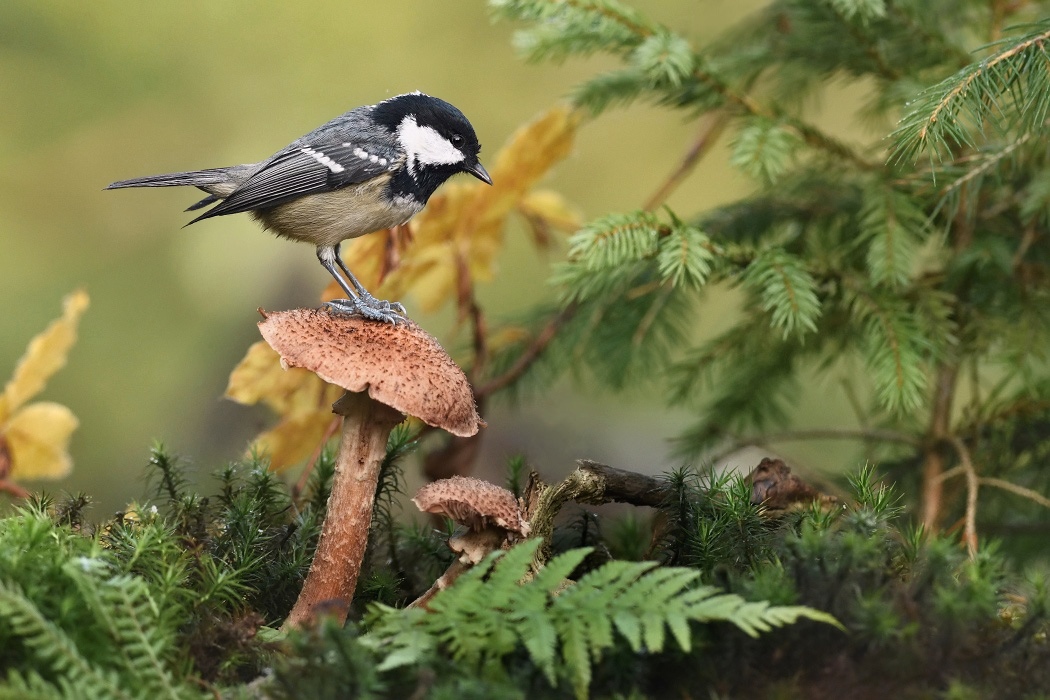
[787,291]
[902,266]
[1006,94]
[712,524]
[564,627]
[72,624]
[763,149]
[140,608]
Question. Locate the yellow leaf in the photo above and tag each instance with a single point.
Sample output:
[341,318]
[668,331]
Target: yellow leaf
[260,377]
[294,438]
[507,336]
[38,440]
[529,154]
[45,355]
[552,208]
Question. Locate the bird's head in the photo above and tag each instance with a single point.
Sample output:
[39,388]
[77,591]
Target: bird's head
[437,138]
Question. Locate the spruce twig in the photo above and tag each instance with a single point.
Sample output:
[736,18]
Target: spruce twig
[710,129]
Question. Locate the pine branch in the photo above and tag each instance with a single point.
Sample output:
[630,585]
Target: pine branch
[893,226]
[763,149]
[893,349]
[657,56]
[787,289]
[1009,90]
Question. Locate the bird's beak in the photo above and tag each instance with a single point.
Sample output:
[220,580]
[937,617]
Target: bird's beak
[478,171]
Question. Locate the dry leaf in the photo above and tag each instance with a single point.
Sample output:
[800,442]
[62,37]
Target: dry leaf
[35,438]
[45,355]
[294,439]
[260,377]
[38,440]
[299,397]
[551,208]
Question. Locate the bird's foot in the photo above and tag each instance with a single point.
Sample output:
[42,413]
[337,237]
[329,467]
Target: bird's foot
[370,308]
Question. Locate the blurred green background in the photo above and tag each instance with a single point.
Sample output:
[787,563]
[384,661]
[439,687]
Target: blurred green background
[100,91]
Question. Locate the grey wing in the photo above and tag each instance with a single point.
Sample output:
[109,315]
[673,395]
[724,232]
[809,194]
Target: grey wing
[306,168]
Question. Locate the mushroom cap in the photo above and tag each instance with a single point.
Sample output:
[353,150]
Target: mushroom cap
[472,502]
[400,365]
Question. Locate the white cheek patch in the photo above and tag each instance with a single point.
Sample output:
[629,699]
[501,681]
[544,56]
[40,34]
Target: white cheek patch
[426,146]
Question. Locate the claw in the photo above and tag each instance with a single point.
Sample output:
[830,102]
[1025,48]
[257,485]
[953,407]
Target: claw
[371,309]
[369,300]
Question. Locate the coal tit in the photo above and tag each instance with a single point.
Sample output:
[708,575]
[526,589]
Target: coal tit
[372,168]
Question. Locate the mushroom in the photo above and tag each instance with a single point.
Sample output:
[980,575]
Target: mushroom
[489,515]
[387,371]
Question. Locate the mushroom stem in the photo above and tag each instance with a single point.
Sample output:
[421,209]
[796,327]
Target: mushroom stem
[454,571]
[336,566]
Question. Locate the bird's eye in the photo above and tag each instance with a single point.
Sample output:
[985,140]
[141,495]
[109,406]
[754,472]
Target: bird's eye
[457,140]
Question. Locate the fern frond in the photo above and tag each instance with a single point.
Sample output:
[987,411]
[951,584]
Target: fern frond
[29,686]
[489,612]
[56,650]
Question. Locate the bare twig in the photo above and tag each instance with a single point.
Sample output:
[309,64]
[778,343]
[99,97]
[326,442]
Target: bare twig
[530,355]
[13,489]
[1021,491]
[1027,239]
[710,129]
[972,487]
[593,483]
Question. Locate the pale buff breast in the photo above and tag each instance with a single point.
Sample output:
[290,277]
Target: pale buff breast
[328,218]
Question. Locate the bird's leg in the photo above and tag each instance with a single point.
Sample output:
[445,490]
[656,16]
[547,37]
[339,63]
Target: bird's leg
[358,302]
[362,293]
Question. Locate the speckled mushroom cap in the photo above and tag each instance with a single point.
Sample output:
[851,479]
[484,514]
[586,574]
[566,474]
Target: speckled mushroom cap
[472,502]
[401,366]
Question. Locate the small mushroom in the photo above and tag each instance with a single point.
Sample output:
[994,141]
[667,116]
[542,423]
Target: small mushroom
[490,516]
[388,371]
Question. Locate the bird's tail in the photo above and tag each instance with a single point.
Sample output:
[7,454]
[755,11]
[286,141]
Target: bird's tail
[207,180]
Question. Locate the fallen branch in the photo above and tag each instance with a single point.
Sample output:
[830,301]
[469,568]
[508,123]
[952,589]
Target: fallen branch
[593,483]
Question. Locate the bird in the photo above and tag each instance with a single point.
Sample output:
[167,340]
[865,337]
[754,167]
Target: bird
[369,169]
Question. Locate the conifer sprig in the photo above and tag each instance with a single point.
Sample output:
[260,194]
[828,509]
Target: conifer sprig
[1008,92]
